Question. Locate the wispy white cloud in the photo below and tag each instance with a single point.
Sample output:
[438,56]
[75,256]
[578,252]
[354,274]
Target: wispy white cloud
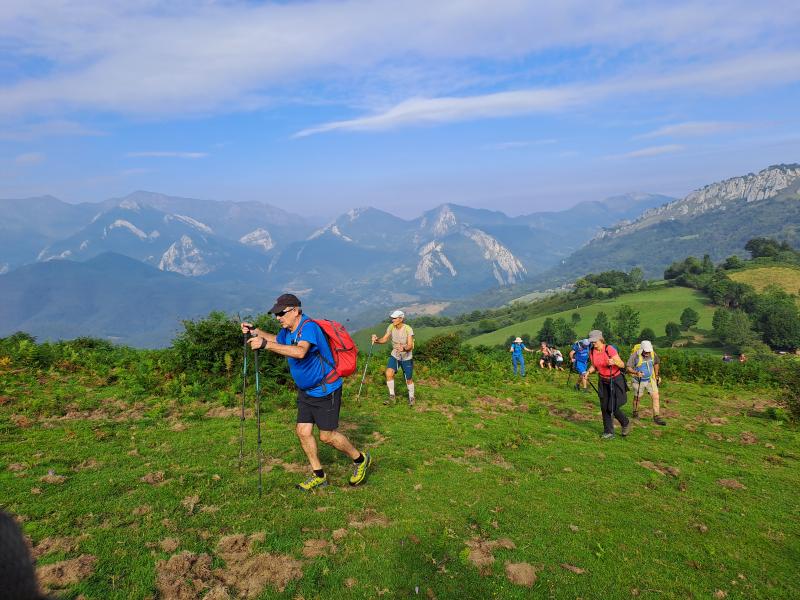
[161,154]
[720,77]
[693,129]
[29,159]
[178,58]
[651,151]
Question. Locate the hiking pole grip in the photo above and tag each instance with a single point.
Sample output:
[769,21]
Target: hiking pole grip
[364,376]
[258,419]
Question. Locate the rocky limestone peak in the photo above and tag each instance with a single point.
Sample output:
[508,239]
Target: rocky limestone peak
[185,258]
[506,268]
[259,238]
[432,263]
[752,187]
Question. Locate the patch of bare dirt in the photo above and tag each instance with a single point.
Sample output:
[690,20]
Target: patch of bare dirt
[179,426]
[569,414]
[573,568]
[52,478]
[21,421]
[66,572]
[747,438]
[660,468]
[315,548]
[377,439]
[347,426]
[481,552]
[86,465]
[183,576]
[49,545]
[731,484]
[217,593]
[169,544]
[493,403]
[251,574]
[17,467]
[155,478]
[221,412]
[142,510]
[189,503]
[521,574]
[719,421]
[338,534]
[288,467]
[370,518]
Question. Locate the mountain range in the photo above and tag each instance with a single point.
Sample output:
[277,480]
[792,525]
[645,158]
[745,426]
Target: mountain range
[179,257]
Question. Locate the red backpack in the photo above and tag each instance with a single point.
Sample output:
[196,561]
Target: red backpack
[343,348]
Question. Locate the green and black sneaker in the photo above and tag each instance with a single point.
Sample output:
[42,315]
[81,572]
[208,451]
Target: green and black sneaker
[313,483]
[359,475]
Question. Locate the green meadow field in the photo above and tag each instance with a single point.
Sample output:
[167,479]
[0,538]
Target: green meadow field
[787,278]
[656,308]
[490,487]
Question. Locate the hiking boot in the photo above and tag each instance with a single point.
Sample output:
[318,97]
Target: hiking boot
[607,436]
[658,420]
[626,429]
[313,483]
[390,400]
[360,471]
[635,414]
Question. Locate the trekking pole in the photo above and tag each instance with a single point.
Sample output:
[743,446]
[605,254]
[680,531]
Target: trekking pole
[258,420]
[364,376]
[244,389]
[571,368]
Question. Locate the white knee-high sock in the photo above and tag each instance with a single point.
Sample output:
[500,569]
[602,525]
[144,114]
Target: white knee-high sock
[410,390]
[390,385]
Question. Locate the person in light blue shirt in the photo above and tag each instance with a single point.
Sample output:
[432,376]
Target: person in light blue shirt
[579,356]
[517,358]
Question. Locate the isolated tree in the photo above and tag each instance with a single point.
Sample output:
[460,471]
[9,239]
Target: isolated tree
[689,318]
[673,331]
[564,333]
[777,319]
[732,262]
[548,331]
[602,323]
[647,334]
[733,328]
[576,318]
[626,323]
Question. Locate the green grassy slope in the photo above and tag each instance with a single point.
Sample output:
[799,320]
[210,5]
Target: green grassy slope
[482,458]
[786,277]
[656,307]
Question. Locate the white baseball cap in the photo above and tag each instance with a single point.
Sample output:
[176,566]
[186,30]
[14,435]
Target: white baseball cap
[397,313]
[647,346]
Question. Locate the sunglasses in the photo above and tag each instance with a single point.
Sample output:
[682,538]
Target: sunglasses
[284,312]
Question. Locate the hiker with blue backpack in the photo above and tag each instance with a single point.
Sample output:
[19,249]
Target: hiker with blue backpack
[643,364]
[517,359]
[305,344]
[612,388]
[579,357]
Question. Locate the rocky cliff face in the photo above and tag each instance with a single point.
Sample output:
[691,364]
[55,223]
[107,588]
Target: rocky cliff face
[753,187]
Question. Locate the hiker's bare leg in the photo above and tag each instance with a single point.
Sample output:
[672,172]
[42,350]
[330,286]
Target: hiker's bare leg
[390,381]
[340,442]
[305,432]
[656,404]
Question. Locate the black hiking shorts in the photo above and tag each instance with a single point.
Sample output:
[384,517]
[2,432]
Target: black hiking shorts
[323,412]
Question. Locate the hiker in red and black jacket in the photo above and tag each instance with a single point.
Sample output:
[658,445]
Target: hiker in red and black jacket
[612,388]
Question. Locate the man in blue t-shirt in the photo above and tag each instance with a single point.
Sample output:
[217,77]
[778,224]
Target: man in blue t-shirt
[319,387]
[579,356]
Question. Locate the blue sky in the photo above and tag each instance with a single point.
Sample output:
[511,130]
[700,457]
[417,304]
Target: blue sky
[318,107]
